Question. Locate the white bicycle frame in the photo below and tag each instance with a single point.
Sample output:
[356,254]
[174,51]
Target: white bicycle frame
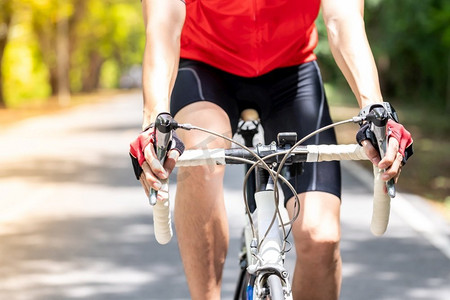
[270,254]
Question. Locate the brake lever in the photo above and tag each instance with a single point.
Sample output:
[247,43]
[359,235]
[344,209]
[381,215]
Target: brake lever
[163,136]
[378,117]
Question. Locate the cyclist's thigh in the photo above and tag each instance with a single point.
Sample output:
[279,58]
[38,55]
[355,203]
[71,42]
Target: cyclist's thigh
[206,115]
[201,97]
[300,105]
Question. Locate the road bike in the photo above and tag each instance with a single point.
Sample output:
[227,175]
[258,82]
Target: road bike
[265,235]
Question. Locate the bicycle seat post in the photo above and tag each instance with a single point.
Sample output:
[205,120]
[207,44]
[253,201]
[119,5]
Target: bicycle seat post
[249,126]
[248,129]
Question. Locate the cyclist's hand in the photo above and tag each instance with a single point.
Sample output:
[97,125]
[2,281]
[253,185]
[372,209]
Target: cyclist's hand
[399,149]
[147,168]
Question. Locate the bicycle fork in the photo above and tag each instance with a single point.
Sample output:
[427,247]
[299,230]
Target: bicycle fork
[264,252]
[259,261]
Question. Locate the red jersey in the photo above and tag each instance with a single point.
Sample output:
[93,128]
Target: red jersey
[250,37]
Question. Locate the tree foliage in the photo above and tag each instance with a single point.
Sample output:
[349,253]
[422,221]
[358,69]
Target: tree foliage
[413,37]
[5,21]
[411,44]
[98,31]
[108,33]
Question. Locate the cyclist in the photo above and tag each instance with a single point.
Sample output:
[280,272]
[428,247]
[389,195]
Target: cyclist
[237,54]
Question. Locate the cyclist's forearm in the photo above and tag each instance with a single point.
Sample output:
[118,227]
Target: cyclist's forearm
[163,22]
[350,48]
[159,73]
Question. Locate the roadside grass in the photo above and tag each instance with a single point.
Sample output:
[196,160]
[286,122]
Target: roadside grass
[427,173]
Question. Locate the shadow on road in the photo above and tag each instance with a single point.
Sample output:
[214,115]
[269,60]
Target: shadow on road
[90,258]
[376,268]
[112,258]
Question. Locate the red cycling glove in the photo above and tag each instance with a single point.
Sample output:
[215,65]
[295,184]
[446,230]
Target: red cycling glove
[137,150]
[394,130]
[405,141]
[143,140]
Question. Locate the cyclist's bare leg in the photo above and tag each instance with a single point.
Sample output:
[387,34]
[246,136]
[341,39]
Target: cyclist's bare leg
[316,234]
[200,216]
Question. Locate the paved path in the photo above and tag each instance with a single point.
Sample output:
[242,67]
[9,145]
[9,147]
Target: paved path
[74,224]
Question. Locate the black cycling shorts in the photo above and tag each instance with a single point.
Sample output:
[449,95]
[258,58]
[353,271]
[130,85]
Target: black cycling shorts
[287,99]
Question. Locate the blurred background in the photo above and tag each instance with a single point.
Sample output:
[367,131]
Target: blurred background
[77,62]
[55,46]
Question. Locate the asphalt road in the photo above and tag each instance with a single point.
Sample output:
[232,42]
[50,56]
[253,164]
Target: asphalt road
[75,224]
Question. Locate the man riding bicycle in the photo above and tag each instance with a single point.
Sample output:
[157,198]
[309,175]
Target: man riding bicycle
[208,60]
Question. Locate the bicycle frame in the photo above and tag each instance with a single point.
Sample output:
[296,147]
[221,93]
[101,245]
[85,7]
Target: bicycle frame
[268,260]
[260,263]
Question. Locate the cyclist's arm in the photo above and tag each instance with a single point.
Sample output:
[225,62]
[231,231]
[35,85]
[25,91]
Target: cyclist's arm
[344,20]
[348,42]
[163,24]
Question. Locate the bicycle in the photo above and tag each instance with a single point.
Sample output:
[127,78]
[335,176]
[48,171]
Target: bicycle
[263,275]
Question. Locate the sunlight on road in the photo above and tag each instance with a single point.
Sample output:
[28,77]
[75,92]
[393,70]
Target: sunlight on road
[97,278]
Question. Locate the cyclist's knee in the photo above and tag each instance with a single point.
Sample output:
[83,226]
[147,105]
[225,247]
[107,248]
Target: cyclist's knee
[317,230]
[318,242]
[210,116]
[318,245]
[318,239]
[205,115]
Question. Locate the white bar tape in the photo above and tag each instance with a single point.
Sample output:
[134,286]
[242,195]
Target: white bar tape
[201,157]
[335,152]
[381,205]
[162,224]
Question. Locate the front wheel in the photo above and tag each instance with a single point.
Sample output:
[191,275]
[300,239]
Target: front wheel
[241,288]
[275,288]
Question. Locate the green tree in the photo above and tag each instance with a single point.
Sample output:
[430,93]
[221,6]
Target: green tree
[411,41]
[95,32]
[411,45]
[111,31]
[5,21]
[98,31]
[46,15]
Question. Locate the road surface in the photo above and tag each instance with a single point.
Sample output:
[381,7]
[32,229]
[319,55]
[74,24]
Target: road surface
[75,224]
